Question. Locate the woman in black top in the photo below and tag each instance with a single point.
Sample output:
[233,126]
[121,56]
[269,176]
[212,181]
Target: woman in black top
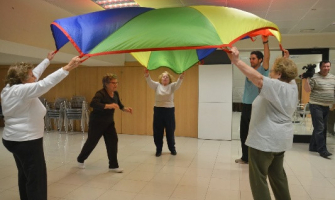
[102,123]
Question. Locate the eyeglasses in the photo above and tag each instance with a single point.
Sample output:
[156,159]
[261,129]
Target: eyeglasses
[114,83]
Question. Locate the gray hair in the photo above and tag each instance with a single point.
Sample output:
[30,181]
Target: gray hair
[17,73]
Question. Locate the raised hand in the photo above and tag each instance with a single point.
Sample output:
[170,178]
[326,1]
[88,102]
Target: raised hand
[51,55]
[146,72]
[74,63]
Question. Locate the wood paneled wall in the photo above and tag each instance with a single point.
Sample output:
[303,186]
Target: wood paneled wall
[134,92]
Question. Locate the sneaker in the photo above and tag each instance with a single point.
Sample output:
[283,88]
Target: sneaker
[240,161]
[116,170]
[81,165]
[174,152]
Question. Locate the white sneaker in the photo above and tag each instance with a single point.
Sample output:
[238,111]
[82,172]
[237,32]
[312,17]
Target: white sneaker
[81,165]
[116,170]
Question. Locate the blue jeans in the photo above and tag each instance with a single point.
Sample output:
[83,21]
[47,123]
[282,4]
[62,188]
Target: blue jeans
[319,120]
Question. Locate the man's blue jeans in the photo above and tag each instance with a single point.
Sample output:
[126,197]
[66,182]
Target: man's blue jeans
[319,120]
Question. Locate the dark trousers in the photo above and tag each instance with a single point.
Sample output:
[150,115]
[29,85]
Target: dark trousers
[331,122]
[164,119]
[32,173]
[97,129]
[319,119]
[244,129]
[263,164]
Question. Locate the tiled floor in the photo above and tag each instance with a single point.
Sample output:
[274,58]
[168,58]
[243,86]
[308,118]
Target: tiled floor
[202,170]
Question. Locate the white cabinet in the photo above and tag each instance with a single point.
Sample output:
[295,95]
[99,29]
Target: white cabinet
[215,102]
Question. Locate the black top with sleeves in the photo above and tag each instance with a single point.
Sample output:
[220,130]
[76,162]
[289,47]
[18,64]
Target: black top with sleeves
[100,99]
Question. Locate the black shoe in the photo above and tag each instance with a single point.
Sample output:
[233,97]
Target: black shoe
[158,154]
[329,153]
[325,154]
[174,152]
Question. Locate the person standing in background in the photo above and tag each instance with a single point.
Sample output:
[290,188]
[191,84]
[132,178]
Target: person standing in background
[321,86]
[261,64]
[164,117]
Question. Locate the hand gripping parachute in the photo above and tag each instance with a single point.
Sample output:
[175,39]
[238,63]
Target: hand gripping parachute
[173,37]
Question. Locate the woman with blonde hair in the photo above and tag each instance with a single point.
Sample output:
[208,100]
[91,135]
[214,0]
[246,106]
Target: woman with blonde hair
[24,125]
[271,128]
[164,117]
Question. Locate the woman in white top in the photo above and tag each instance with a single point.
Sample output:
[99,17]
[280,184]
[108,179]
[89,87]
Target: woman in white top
[24,125]
[271,128]
[164,117]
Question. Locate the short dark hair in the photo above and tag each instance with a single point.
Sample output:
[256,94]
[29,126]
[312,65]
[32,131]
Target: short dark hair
[324,62]
[108,77]
[258,54]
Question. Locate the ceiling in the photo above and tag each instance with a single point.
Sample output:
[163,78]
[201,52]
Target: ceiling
[25,25]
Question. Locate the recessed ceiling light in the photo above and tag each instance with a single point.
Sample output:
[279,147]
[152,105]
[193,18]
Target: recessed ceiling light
[110,4]
[307,30]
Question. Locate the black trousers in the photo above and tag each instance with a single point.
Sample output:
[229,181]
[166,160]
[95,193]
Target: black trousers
[97,129]
[244,129]
[32,173]
[164,119]
[331,122]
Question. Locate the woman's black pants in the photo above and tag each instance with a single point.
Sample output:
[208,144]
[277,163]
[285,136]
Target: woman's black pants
[30,162]
[97,129]
[164,118]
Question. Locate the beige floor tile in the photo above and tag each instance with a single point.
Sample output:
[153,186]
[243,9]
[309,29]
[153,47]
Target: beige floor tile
[60,190]
[195,181]
[172,169]
[215,194]
[159,189]
[150,197]
[117,195]
[224,184]
[85,193]
[190,192]
[167,178]
[140,176]
[129,186]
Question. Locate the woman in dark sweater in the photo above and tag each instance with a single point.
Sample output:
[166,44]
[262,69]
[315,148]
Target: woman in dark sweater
[102,122]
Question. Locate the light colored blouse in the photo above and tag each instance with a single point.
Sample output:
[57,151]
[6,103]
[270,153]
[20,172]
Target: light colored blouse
[23,111]
[271,128]
[164,94]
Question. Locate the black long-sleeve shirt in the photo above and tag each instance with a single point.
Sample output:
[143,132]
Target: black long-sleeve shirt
[100,99]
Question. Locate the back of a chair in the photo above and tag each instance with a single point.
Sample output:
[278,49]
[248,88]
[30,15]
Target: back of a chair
[58,103]
[77,101]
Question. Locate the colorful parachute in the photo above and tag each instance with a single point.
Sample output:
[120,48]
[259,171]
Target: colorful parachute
[173,37]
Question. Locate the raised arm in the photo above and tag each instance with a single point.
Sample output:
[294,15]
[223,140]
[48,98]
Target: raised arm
[37,89]
[254,76]
[266,59]
[39,69]
[152,84]
[177,84]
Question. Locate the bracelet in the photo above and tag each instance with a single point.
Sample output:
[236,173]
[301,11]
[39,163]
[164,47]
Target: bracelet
[265,42]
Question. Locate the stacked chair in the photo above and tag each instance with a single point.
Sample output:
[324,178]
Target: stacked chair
[76,109]
[55,112]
